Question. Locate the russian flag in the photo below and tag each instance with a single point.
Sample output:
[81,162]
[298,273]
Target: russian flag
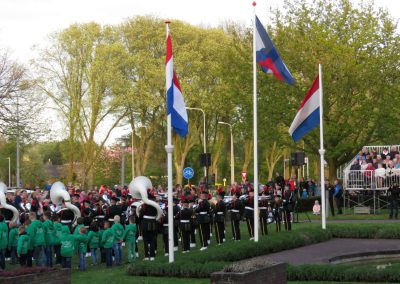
[175,103]
[307,117]
[268,57]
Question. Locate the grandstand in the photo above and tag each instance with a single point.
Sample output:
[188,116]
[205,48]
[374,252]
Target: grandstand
[370,174]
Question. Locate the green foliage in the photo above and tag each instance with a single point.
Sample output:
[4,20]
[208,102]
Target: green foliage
[344,273]
[365,231]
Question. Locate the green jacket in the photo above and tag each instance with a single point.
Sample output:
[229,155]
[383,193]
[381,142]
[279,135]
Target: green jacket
[23,244]
[93,239]
[67,243]
[76,230]
[82,240]
[57,233]
[118,231]
[49,232]
[130,233]
[107,239]
[100,232]
[3,235]
[13,238]
[36,233]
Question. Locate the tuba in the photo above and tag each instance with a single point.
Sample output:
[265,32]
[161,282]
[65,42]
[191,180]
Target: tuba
[138,189]
[3,202]
[59,193]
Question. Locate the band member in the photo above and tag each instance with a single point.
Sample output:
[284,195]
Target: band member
[113,210]
[194,224]
[149,229]
[263,206]
[203,211]
[277,211]
[236,208]
[185,216]
[66,216]
[249,213]
[288,196]
[166,225]
[220,218]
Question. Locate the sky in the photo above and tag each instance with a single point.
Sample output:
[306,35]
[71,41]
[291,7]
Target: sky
[26,23]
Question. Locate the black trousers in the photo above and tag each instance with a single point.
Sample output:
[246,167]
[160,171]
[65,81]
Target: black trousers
[288,223]
[394,208]
[338,201]
[22,259]
[165,238]
[263,225]
[29,258]
[204,234]
[186,240]
[278,220]
[236,230]
[149,243]
[193,234]
[250,226]
[57,251]
[331,206]
[220,232]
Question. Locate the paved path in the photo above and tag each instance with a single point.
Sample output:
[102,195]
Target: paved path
[322,252]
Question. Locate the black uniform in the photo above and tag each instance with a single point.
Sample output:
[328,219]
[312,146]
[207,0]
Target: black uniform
[194,224]
[220,221]
[185,219]
[277,212]
[288,201]
[67,217]
[149,229]
[249,214]
[203,217]
[236,208]
[112,211]
[263,206]
[165,228]
[393,196]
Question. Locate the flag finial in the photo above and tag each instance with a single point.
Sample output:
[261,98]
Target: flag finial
[254,3]
[167,21]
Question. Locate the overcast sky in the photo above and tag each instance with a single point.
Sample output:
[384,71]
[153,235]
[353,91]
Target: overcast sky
[24,23]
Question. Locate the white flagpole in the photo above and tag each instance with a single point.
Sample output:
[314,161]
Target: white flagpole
[321,148]
[169,148]
[255,134]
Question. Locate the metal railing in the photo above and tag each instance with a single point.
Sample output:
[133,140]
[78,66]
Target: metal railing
[379,179]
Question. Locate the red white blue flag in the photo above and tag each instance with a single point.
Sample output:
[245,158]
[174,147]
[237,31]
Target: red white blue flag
[307,117]
[175,103]
[268,57]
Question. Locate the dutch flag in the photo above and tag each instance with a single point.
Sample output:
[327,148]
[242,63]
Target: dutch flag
[307,117]
[268,57]
[175,103]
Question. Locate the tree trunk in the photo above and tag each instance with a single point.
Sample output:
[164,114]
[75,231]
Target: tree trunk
[248,154]
[332,169]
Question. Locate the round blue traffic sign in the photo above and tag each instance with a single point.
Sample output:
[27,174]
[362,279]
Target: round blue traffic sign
[188,173]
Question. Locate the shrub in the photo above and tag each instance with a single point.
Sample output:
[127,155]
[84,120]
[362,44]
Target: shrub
[365,231]
[344,273]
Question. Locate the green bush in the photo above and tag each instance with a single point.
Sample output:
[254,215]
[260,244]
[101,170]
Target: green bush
[365,231]
[344,273]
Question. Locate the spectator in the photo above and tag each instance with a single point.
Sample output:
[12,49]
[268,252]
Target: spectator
[338,195]
[393,152]
[384,153]
[316,208]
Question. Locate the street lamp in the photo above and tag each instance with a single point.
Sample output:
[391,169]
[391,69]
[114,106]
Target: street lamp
[9,172]
[232,155]
[204,132]
[123,164]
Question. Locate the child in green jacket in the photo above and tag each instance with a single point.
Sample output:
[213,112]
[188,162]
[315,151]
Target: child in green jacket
[23,246]
[130,238]
[3,242]
[49,236]
[13,242]
[118,231]
[107,242]
[67,247]
[93,241]
[57,237]
[36,233]
[82,240]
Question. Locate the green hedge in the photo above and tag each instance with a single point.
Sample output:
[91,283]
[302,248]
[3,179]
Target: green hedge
[365,231]
[201,264]
[344,273]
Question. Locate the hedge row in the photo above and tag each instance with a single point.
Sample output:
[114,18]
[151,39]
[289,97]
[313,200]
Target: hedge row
[365,231]
[201,264]
[344,273]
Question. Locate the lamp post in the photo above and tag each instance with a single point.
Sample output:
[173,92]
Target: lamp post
[133,157]
[232,155]
[204,132]
[123,164]
[9,172]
